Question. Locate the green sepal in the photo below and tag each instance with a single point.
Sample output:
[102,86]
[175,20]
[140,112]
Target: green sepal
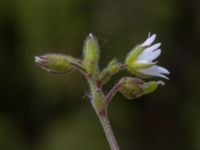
[142,65]
[55,63]
[132,56]
[91,55]
[151,86]
[134,69]
[133,66]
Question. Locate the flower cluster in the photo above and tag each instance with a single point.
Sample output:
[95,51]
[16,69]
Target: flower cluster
[140,62]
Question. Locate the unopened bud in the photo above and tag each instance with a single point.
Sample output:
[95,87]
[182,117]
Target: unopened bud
[54,63]
[91,54]
[112,68]
[131,87]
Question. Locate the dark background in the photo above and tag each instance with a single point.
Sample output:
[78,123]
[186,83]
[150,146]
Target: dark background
[39,111]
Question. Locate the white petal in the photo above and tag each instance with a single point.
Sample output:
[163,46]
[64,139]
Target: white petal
[149,40]
[151,49]
[148,51]
[161,83]
[152,56]
[142,62]
[163,76]
[156,71]
[38,59]
[163,70]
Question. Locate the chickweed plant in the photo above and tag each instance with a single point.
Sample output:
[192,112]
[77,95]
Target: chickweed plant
[140,62]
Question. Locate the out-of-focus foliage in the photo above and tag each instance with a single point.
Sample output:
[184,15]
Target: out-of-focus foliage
[49,112]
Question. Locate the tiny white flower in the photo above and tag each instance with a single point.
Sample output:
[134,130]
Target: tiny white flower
[141,60]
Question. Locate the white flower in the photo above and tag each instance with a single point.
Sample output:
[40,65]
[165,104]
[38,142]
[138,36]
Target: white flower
[140,60]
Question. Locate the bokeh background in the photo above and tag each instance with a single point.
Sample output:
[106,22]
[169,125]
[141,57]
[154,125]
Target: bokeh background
[39,111]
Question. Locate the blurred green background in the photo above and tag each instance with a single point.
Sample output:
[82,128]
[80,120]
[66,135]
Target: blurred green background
[39,111]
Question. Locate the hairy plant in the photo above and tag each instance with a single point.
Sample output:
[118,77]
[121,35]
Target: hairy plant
[139,62]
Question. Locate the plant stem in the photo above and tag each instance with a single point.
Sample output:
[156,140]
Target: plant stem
[112,92]
[101,111]
[108,131]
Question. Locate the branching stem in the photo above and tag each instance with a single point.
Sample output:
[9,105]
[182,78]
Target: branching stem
[95,85]
[113,92]
[101,111]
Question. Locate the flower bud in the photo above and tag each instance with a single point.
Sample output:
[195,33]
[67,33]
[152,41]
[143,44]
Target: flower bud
[91,54]
[54,63]
[112,68]
[133,88]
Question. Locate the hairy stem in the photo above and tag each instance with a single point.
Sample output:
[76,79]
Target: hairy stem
[113,92]
[108,131]
[100,106]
